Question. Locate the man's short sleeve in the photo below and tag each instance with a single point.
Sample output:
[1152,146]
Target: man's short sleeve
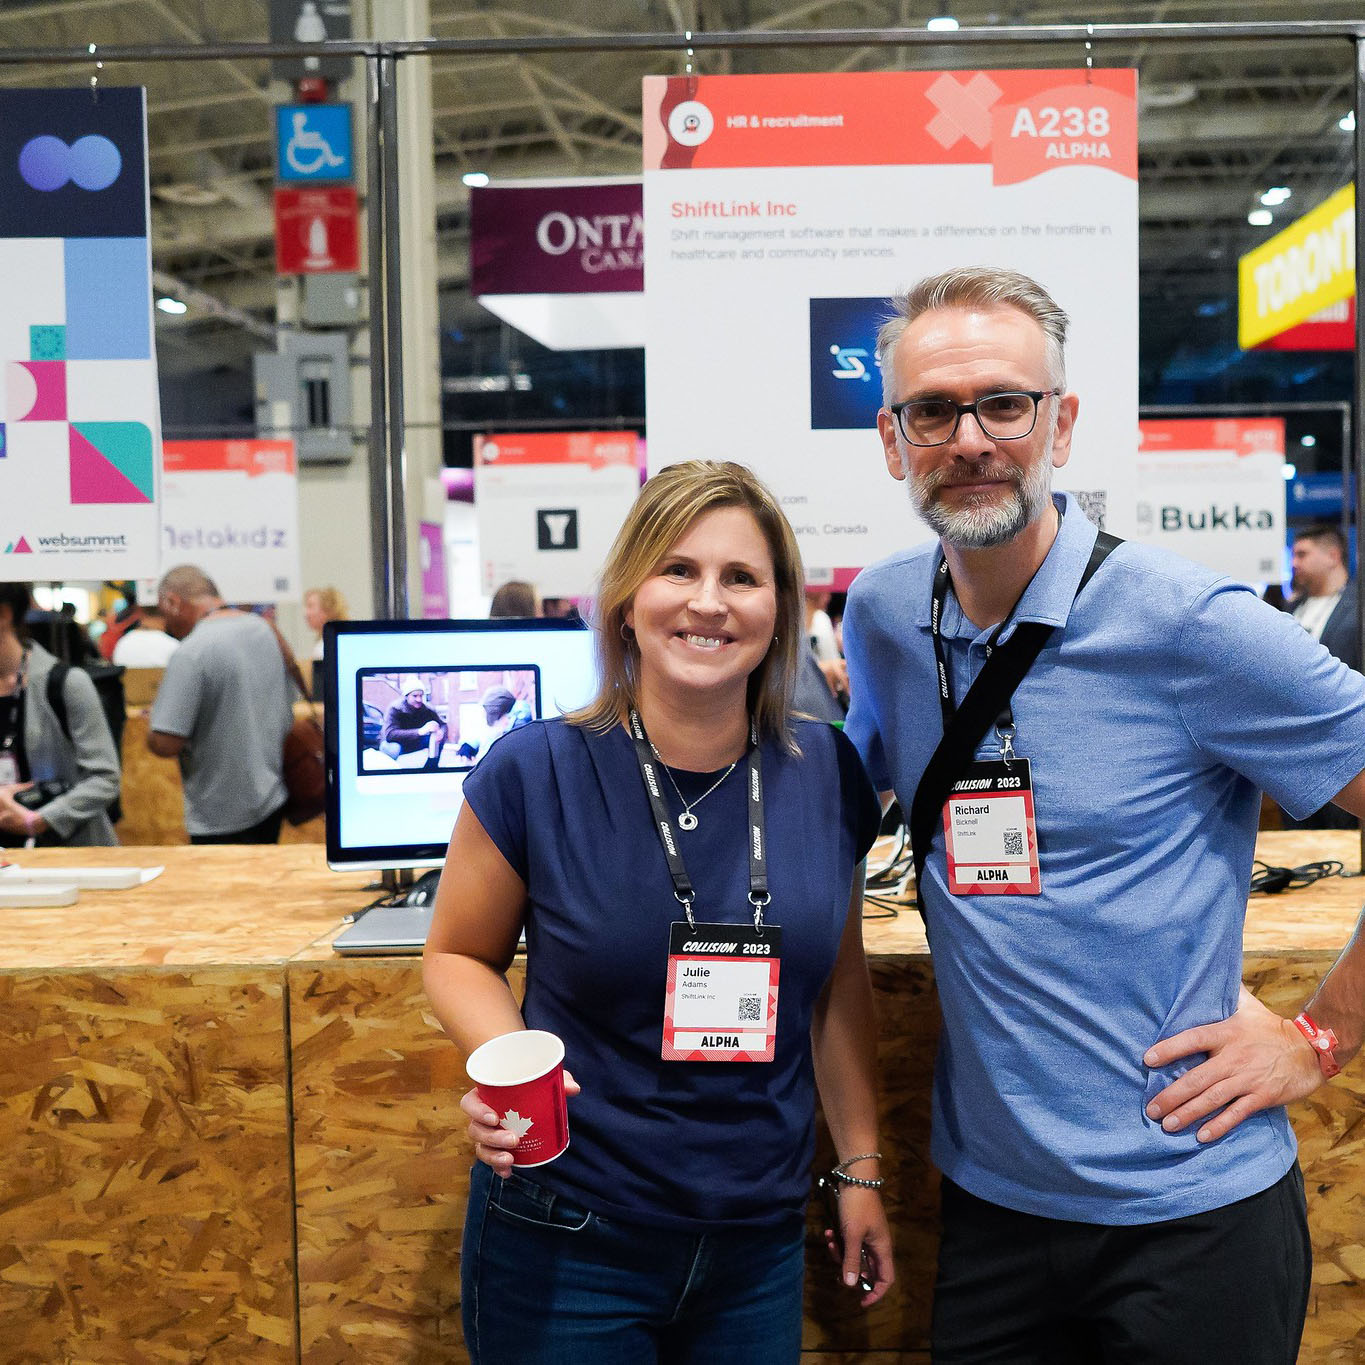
[862,725]
[176,708]
[496,791]
[1257,693]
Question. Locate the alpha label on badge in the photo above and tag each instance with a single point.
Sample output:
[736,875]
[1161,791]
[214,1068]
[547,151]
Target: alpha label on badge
[721,1000]
[991,839]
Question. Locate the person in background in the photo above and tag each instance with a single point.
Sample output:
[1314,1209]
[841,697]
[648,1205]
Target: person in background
[411,723]
[1325,606]
[514,599]
[1324,592]
[75,771]
[321,605]
[223,710]
[672,1228]
[1119,1173]
[145,644]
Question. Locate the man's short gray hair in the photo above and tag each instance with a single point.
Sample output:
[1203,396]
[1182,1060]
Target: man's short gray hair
[975,286]
[188,581]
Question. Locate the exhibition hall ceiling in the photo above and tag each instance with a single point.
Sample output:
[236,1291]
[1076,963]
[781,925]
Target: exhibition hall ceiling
[1222,121]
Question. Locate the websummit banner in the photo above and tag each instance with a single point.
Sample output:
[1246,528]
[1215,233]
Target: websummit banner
[782,212]
[80,430]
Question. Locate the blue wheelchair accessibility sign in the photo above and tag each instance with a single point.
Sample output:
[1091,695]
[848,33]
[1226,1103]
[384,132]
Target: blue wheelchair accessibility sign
[313,142]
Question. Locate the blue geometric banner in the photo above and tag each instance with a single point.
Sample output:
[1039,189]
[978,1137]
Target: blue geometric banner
[80,429]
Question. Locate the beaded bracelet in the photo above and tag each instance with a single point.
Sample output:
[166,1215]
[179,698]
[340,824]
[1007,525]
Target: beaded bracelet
[840,1172]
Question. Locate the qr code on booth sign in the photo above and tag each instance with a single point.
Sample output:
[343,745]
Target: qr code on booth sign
[750,1009]
[1094,502]
[1014,843]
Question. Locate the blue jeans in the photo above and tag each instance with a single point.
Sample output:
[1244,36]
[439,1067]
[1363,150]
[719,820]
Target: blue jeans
[548,1282]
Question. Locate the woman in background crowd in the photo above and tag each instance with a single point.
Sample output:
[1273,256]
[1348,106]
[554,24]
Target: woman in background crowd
[321,605]
[514,599]
[672,1227]
[56,782]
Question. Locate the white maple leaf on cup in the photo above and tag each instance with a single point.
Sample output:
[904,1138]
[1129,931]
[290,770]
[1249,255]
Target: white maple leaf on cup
[515,1124]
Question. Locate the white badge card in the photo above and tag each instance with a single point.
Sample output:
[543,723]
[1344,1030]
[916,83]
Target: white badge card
[721,1001]
[990,834]
[9,768]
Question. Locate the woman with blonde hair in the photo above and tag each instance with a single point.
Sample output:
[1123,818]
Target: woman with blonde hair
[681,820]
[321,605]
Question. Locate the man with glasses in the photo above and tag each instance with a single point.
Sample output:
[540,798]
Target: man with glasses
[1120,1180]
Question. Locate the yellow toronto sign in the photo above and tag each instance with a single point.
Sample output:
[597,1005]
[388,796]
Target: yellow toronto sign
[1298,272]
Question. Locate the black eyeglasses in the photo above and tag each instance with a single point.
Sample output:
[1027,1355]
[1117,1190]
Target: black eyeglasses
[1005,416]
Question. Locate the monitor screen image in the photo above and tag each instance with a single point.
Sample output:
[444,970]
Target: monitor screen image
[440,719]
[412,707]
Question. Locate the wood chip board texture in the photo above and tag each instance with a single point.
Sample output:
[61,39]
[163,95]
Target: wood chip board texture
[144,1159]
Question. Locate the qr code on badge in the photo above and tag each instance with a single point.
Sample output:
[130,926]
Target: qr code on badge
[1014,843]
[1094,502]
[750,1009]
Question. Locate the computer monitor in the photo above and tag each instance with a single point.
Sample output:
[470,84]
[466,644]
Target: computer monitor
[412,707]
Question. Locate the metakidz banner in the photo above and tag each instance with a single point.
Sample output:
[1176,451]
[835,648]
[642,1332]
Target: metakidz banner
[80,432]
[784,211]
[232,508]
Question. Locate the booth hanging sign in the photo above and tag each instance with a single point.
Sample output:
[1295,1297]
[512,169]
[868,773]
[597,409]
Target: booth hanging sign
[783,211]
[562,261]
[1298,273]
[80,425]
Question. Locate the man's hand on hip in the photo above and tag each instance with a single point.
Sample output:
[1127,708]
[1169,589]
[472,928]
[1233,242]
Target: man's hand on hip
[1256,1060]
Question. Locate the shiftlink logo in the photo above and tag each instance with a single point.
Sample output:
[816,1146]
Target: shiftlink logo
[19,547]
[845,381]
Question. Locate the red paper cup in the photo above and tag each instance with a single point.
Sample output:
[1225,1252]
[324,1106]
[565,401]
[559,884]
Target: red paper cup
[521,1077]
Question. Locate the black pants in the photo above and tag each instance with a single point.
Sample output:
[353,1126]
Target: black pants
[1215,1288]
[266,831]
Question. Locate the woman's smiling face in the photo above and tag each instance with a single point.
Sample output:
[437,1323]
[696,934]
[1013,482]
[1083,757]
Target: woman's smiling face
[704,619]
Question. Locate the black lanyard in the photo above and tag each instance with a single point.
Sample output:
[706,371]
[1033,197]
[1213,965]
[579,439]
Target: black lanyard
[649,762]
[942,582]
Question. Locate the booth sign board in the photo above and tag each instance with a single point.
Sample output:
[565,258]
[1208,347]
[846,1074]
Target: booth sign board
[1212,489]
[1308,267]
[549,505]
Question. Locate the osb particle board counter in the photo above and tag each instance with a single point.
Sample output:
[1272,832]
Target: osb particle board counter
[221,1142]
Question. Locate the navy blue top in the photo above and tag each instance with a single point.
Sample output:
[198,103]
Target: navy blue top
[683,1145]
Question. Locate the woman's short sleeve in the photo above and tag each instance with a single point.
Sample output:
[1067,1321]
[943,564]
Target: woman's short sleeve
[497,791]
[862,810]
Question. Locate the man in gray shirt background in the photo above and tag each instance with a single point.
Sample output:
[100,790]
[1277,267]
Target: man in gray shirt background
[223,709]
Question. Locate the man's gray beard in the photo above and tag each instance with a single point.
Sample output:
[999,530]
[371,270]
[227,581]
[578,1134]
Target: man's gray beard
[990,523]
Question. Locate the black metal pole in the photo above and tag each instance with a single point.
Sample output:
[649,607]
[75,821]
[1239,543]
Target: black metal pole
[381,558]
[393,350]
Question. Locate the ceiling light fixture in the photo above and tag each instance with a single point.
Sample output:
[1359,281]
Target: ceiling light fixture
[1276,195]
[1309,440]
[1347,122]
[172,306]
[1260,217]
[476,180]
[943,23]
[1290,472]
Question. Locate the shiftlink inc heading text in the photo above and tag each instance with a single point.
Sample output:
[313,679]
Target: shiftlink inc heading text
[731,208]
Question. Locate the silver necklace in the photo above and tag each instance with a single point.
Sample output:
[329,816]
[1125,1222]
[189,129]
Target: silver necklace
[687,820]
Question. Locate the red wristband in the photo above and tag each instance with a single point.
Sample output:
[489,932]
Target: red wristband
[1323,1041]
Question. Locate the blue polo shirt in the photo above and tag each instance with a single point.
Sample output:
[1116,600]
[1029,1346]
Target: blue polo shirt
[1166,701]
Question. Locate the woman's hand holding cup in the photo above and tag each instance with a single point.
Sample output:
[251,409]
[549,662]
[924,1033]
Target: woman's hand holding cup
[492,1143]
[520,1084]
